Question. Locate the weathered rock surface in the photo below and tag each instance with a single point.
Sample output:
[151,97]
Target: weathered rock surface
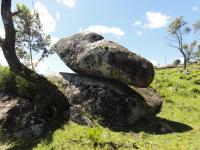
[90,54]
[110,102]
[19,118]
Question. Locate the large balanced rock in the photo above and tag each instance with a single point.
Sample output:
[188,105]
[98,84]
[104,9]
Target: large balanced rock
[90,54]
[111,103]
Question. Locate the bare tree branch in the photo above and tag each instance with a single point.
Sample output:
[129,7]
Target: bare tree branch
[15,13]
[171,39]
[171,45]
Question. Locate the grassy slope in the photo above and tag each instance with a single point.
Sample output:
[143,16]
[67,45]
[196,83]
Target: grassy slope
[181,91]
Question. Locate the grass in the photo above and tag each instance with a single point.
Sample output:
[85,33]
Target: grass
[181,93]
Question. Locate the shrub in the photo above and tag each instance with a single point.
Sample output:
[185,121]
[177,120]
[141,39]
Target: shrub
[176,62]
[7,80]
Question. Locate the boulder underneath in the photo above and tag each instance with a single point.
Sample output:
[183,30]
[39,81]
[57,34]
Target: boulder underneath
[110,102]
[19,118]
[90,54]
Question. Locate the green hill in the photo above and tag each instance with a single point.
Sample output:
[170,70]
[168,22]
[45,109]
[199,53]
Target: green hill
[181,92]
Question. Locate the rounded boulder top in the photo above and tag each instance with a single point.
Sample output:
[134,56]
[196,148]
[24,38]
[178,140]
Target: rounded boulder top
[90,54]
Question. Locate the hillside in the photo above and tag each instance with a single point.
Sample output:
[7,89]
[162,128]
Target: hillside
[181,92]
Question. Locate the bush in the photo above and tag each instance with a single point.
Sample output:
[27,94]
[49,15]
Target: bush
[7,80]
[176,62]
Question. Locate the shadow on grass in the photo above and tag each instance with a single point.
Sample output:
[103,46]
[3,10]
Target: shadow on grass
[155,125]
[150,126]
[30,143]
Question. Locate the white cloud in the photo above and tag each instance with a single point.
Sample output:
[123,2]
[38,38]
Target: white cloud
[67,3]
[3,61]
[154,62]
[2,33]
[46,18]
[156,20]
[54,40]
[195,8]
[137,23]
[80,30]
[52,65]
[43,68]
[57,15]
[58,1]
[104,30]
[182,60]
[139,33]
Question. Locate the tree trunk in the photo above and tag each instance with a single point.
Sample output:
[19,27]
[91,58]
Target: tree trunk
[184,60]
[57,98]
[31,55]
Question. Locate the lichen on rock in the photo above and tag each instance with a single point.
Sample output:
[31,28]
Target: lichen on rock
[90,54]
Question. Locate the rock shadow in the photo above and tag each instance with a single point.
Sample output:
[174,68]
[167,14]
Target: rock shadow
[23,125]
[155,125]
[30,143]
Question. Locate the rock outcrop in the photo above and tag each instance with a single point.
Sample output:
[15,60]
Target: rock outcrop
[112,103]
[90,54]
[102,88]
[19,118]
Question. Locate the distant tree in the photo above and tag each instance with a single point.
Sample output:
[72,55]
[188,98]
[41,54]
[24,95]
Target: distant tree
[30,37]
[189,50]
[197,52]
[196,27]
[176,62]
[177,29]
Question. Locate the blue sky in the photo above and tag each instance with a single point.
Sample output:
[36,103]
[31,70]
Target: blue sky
[138,25]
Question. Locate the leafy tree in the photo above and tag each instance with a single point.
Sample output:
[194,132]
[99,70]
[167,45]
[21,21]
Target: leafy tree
[177,29]
[196,27]
[189,50]
[57,102]
[197,52]
[29,35]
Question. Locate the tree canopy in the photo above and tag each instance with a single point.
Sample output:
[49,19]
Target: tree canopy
[30,38]
[178,29]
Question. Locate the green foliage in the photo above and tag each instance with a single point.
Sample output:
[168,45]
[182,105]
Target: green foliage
[189,50]
[30,38]
[177,30]
[178,26]
[196,27]
[11,83]
[6,80]
[94,135]
[197,52]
